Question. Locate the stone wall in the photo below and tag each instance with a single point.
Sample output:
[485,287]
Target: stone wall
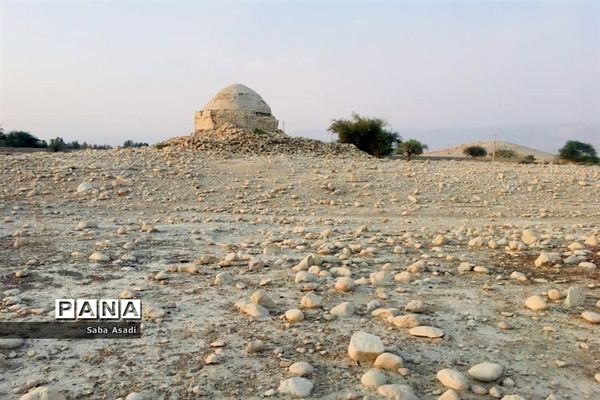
[213,119]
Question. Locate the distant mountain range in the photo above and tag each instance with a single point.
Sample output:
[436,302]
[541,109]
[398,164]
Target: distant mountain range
[544,137]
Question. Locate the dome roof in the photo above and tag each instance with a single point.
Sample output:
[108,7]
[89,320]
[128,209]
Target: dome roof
[238,97]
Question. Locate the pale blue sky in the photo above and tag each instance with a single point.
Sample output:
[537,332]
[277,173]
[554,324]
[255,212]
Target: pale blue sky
[109,71]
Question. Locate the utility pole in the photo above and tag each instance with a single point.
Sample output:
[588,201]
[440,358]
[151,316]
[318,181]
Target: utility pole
[283,126]
[494,148]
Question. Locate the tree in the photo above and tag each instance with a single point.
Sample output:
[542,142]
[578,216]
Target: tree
[131,143]
[506,153]
[57,144]
[475,151]
[22,139]
[2,136]
[411,148]
[578,152]
[370,135]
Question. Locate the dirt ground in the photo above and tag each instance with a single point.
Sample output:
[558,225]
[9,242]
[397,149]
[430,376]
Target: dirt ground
[159,210]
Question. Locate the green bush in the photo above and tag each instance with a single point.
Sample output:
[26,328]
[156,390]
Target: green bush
[528,159]
[411,148]
[370,135]
[578,152]
[475,151]
[506,153]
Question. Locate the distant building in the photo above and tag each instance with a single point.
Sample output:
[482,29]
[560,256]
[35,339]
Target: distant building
[237,105]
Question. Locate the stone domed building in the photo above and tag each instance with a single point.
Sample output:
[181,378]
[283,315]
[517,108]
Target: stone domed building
[236,105]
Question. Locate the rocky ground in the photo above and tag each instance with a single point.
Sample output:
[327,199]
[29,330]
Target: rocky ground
[330,277]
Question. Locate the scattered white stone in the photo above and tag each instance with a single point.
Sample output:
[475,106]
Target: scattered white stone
[296,387]
[406,321]
[403,277]
[518,276]
[545,259]
[256,311]
[364,346]
[575,296]
[86,225]
[135,396]
[587,264]
[344,284]
[223,278]
[310,300]
[11,343]
[261,297]
[99,257]
[591,317]
[255,346]
[554,294]
[301,368]
[373,378]
[535,303]
[426,331]
[453,379]
[381,278]
[397,392]
[153,311]
[343,310]
[528,237]
[294,315]
[513,397]
[42,393]
[415,306]
[449,394]
[84,187]
[388,361]
[486,371]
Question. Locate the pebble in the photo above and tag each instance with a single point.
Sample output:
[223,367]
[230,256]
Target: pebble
[86,225]
[554,294]
[406,321]
[518,276]
[415,306]
[397,392]
[261,297]
[453,379]
[449,394]
[591,316]
[153,311]
[310,300]
[256,311]
[11,343]
[575,296]
[42,393]
[486,371]
[84,187]
[223,278]
[535,303]
[294,315]
[135,396]
[254,346]
[344,284]
[426,331]
[373,378]
[99,257]
[301,368]
[388,361]
[364,346]
[381,278]
[513,397]
[343,310]
[296,387]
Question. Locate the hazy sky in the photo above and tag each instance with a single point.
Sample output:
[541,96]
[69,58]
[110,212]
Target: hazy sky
[109,71]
